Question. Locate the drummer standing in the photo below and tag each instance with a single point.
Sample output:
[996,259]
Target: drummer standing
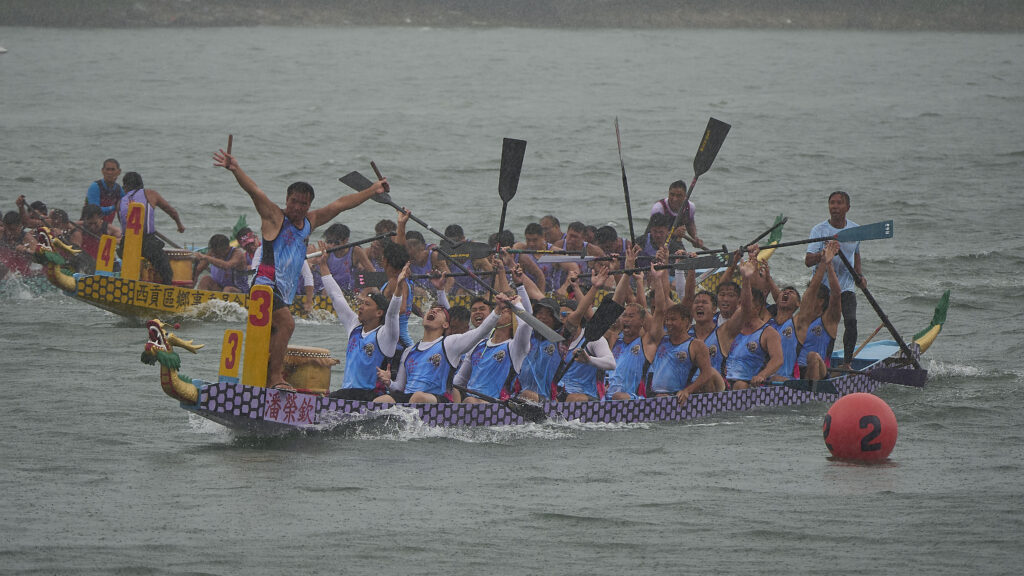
[285,236]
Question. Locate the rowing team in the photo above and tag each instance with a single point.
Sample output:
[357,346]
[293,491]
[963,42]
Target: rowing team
[709,342]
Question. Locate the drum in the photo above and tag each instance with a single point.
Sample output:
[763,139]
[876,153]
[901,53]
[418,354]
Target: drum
[308,368]
[182,265]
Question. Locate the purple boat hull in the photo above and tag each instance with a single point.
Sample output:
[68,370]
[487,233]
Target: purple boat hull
[261,410]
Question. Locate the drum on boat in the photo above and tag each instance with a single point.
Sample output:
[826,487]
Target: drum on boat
[182,265]
[309,368]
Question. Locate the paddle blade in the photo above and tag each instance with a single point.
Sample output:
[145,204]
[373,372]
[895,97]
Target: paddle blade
[699,263]
[466,250]
[529,411]
[358,182]
[539,327]
[904,376]
[512,152]
[714,135]
[876,231]
[605,315]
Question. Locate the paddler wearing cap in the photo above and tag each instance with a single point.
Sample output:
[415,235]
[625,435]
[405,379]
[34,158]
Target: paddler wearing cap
[372,332]
[427,368]
[542,360]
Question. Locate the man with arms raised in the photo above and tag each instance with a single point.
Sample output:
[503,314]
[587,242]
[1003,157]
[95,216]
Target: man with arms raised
[755,353]
[838,206]
[285,236]
[626,381]
[680,364]
[372,339]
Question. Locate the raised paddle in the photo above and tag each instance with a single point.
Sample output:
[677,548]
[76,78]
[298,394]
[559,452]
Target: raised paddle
[625,186]
[606,314]
[231,138]
[357,181]
[859,280]
[470,250]
[351,244]
[529,411]
[714,135]
[876,231]
[512,152]
[711,262]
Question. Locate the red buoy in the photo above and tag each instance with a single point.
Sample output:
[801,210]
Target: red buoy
[860,427]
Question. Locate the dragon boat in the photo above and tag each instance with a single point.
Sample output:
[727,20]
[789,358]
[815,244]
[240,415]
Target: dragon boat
[246,405]
[134,291]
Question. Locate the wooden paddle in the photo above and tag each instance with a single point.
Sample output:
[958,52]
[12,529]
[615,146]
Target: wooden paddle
[529,411]
[714,135]
[859,280]
[625,185]
[605,315]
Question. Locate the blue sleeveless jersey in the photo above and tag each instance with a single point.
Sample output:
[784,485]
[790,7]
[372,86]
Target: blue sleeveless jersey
[672,369]
[816,340]
[715,352]
[539,366]
[747,357]
[362,359]
[629,368]
[580,378]
[790,345]
[492,367]
[281,266]
[428,370]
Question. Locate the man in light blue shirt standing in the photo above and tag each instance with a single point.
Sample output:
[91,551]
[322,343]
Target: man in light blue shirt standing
[838,206]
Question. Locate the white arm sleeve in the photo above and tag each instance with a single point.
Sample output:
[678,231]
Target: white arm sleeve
[348,318]
[463,375]
[520,346]
[442,300]
[459,344]
[307,274]
[601,355]
[387,336]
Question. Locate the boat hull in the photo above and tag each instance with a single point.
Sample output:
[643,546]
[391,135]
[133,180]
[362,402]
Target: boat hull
[266,411]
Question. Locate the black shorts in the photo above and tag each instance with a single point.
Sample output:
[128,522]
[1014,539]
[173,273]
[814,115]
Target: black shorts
[278,301]
[360,394]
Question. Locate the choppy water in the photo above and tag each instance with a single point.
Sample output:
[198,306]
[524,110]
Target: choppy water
[103,474]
